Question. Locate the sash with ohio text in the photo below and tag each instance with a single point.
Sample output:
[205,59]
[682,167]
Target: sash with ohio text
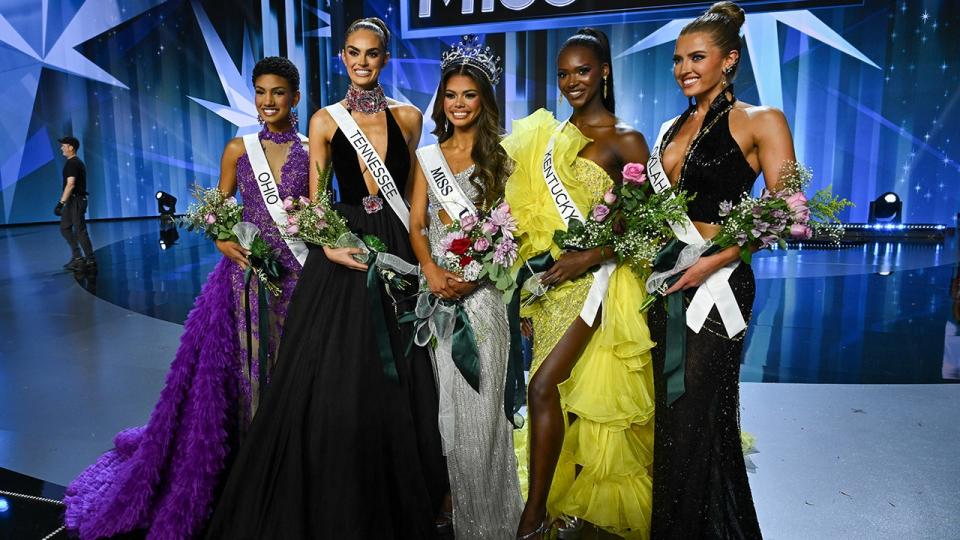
[270,193]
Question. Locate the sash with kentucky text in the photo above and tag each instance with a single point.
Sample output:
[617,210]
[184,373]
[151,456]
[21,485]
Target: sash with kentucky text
[376,166]
[271,194]
[716,289]
[443,183]
[568,211]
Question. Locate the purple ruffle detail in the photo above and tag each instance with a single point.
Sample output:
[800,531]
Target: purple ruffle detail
[162,476]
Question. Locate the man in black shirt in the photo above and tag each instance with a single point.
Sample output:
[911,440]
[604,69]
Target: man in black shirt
[73,206]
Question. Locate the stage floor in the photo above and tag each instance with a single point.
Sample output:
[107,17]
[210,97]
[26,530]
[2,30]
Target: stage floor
[865,448]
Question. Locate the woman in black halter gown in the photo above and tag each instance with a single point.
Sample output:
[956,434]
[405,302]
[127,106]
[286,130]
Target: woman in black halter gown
[714,150]
[337,449]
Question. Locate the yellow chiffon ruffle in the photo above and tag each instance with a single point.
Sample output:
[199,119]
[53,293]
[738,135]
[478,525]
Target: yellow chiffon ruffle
[610,390]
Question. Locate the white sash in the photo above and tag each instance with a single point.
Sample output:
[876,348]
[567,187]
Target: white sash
[568,210]
[716,289]
[270,193]
[443,183]
[376,166]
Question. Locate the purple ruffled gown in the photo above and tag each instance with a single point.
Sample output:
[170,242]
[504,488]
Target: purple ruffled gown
[161,478]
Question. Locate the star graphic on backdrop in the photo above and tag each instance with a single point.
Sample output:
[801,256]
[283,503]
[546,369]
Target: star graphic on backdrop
[240,110]
[763,44]
[93,18]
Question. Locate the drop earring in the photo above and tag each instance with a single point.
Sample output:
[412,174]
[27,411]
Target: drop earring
[604,87]
[449,127]
[294,119]
[260,119]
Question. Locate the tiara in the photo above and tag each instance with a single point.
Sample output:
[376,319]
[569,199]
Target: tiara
[470,52]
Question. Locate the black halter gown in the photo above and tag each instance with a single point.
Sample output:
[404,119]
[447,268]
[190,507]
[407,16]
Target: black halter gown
[700,486]
[337,449]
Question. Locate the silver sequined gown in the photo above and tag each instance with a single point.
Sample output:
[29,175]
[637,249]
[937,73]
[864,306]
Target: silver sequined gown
[477,438]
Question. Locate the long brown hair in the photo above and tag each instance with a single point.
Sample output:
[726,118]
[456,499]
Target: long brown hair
[491,161]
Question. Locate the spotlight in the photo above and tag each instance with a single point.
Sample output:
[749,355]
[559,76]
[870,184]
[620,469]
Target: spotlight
[4,505]
[166,206]
[888,208]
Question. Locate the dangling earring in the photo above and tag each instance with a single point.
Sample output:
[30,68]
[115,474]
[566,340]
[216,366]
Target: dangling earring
[260,119]
[294,119]
[449,127]
[727,72]
[604,87]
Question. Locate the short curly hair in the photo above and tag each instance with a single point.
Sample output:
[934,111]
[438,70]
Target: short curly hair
[279,66]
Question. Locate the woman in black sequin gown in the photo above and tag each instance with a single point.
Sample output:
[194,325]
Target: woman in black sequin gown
[338,450]
[715,150]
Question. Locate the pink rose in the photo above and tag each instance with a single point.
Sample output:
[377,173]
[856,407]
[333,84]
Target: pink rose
[488,227]
[481,245]
[292,220]
[304,201]
[801,232]
[797,201]
[600,212]
[288,204]
[633,173]
[318,211]
[468,222]
[504,207]
[609,197]
[211,219]
[293,229]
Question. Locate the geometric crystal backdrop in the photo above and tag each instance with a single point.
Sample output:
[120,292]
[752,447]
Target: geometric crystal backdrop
[154,88]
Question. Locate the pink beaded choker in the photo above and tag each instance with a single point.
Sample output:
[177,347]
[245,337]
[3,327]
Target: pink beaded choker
[366,101]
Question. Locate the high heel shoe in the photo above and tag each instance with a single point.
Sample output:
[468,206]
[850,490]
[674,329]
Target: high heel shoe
[571,529]
[445,526]
[541,530]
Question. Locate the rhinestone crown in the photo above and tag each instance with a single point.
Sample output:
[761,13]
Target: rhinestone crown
[473,53]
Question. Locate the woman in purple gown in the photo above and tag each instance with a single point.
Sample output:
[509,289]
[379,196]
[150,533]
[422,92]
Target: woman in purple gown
[161,478]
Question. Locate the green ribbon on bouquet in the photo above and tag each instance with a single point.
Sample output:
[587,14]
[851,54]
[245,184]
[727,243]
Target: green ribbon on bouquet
[514,395]
[675,355]
[263,326]
[434,317]
[375,299]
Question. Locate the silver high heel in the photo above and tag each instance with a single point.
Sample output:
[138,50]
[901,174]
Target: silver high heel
[542,529]
[571,529]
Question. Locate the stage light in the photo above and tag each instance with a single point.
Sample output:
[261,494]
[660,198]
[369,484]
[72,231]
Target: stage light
[4,505]
[888,208]
[166,205]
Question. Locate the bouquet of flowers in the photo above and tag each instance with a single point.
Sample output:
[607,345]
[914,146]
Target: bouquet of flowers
[777,215]
[632,218]
[479,246]
[221,218]
[760,222]
[318,223]
[212,213]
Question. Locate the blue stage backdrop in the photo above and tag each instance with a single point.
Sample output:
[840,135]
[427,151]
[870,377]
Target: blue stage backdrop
[154,88]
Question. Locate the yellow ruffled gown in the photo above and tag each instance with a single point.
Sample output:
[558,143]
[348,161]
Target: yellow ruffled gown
[610,389]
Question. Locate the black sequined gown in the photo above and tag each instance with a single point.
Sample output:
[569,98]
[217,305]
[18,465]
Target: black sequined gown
[338,450]
[700,486]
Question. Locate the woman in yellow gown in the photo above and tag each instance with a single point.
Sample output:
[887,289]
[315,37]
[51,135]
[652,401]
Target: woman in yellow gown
[591,397]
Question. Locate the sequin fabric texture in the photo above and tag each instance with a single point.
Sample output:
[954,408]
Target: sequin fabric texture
[480,456]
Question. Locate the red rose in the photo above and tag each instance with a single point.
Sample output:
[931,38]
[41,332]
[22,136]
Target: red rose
[465,260]
[460,245]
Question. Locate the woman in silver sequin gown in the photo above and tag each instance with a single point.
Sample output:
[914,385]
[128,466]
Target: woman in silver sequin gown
[477,436]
